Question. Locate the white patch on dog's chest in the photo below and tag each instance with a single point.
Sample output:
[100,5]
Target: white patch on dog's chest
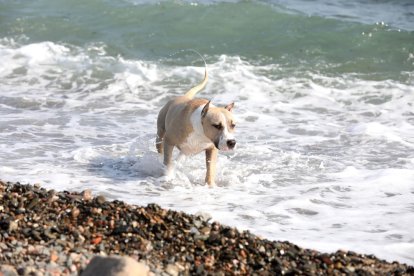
[195,143]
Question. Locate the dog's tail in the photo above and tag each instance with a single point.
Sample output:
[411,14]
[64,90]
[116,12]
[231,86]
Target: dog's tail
[191,93]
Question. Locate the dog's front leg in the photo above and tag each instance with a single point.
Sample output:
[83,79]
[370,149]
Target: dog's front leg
[211,160]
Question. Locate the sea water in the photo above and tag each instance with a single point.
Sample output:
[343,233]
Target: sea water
[323,92]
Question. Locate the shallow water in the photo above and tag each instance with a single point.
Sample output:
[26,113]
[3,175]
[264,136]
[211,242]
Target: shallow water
[324,107]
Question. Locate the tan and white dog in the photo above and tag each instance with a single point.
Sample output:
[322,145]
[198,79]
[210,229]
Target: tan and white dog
[194,125]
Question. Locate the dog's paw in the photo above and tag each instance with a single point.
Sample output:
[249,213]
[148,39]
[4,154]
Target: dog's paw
[169,174]
[211,184]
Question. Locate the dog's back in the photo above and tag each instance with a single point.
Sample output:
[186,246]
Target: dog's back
[177,105]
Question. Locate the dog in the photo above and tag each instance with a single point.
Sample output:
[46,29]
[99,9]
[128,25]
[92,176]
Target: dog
[194,125]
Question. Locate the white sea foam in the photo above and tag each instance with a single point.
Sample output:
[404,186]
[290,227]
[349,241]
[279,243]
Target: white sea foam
[325,162]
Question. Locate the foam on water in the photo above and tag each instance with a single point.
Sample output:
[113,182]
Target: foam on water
[323,161]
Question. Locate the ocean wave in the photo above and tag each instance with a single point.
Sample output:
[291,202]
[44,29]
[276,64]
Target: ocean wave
[253,30]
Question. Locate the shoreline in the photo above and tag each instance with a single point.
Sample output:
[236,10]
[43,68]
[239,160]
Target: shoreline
[58,233]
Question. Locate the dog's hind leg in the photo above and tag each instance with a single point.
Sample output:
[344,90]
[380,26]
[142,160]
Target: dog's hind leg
[168,152]
[161,128]
[159,141]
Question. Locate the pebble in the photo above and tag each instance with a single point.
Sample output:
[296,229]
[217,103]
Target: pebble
[203,216]
[86,195]
[100,199]
[13,225]
[75,212]
[172,270]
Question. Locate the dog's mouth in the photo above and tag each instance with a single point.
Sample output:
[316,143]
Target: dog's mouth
[216,144]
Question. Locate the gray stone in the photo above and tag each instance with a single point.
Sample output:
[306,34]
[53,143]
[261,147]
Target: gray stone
[100,199]
[115,266]
[194,231]
[8,270]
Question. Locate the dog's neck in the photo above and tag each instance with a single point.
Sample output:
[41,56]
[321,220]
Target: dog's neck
[196,120]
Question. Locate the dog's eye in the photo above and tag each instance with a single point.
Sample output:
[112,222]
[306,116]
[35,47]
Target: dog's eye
[233,125]
[218,126]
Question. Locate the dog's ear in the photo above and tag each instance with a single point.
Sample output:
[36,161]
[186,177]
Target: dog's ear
[229,107]
[205,109]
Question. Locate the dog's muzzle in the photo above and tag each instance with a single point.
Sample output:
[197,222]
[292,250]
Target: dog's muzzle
[225,145]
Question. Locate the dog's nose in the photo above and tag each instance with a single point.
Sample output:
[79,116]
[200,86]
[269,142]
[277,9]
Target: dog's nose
[231,143]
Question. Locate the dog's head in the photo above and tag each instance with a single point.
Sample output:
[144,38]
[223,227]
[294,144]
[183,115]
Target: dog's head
[218,125]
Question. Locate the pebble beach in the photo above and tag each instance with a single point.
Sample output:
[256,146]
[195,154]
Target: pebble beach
[48,232]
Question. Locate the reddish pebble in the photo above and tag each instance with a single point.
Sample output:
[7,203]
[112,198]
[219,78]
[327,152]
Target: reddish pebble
[96,240]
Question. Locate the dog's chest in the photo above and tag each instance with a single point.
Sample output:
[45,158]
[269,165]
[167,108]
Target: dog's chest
[195,143]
